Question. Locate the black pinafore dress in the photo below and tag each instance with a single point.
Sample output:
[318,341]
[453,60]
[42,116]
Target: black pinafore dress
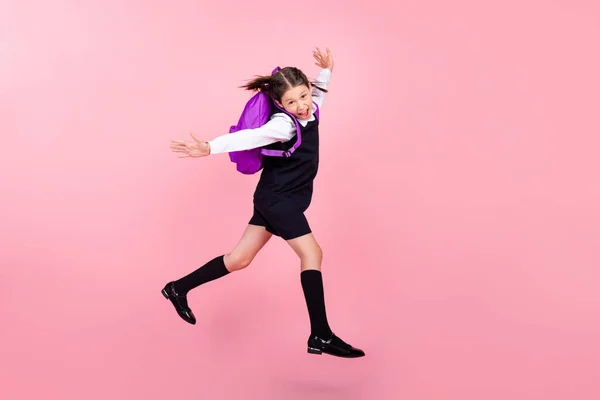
[285,188]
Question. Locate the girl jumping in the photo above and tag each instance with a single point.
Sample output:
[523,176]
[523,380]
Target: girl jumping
[283,194]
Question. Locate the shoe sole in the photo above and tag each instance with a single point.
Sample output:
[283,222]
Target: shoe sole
[312,350]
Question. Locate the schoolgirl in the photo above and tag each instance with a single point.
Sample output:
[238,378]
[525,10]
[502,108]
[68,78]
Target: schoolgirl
[282,195]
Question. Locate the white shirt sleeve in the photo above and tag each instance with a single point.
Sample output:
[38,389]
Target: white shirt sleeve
[323,81]
[280,128]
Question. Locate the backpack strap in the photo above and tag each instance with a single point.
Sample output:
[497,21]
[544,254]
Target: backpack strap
[281,153]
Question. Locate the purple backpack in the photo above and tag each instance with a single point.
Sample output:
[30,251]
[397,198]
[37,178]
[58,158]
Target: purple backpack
[257,113]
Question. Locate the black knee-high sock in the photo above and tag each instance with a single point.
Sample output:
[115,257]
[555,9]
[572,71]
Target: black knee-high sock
[312,285]
[210,271]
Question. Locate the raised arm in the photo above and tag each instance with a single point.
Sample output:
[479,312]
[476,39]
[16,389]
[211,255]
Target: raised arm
[323,82]
[325,61]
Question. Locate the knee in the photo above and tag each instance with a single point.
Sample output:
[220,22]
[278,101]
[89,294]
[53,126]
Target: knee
[314,255]
[235,262]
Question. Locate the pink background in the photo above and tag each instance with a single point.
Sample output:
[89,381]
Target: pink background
[458,203]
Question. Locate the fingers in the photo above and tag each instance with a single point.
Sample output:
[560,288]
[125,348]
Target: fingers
[321,53]
[322,58]
[180,148]
[319,58]
[187,149]
[178,145]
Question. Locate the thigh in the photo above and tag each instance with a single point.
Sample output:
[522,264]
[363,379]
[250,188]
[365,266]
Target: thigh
[252,241]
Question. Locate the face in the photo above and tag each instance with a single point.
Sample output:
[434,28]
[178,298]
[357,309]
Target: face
[298,102]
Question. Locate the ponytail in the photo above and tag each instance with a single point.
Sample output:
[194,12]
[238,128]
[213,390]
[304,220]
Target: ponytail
[262,83]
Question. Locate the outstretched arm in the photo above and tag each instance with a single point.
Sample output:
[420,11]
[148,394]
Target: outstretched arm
[279,129]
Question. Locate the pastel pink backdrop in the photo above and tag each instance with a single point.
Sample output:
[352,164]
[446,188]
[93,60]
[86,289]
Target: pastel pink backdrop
[458,202]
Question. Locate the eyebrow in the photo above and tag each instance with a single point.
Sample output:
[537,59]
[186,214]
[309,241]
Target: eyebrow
[301,94]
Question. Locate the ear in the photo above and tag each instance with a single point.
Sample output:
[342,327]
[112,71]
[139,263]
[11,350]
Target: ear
[279,104]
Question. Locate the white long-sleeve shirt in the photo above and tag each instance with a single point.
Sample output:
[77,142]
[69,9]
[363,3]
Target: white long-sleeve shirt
[280,128]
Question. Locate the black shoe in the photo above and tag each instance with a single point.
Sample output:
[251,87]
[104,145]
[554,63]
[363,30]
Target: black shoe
[180,303]
[333,346]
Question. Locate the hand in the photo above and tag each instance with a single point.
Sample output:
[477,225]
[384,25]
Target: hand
[197,148]
[324,60]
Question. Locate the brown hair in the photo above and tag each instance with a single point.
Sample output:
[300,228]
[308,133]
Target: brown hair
[276,85]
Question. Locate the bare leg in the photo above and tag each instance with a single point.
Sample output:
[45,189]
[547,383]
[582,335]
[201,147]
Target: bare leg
[309,251]
[252,241]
